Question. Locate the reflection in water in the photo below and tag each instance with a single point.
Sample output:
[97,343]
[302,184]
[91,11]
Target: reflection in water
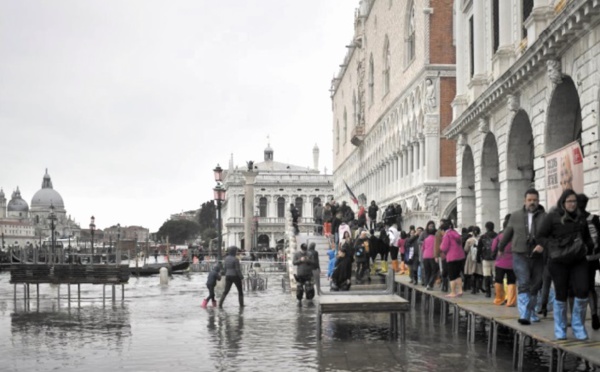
[165,329]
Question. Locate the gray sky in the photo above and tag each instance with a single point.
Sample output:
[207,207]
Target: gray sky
[131,104]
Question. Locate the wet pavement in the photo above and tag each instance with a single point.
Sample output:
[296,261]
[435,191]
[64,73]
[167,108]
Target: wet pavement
[165,329]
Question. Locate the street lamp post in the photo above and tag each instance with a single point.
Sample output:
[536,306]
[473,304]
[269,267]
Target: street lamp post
[52,219]
[92,228]
[117,250]
[219,195]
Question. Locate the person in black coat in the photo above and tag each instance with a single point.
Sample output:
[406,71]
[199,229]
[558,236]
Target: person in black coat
[233,275]
[343,271]
[562,227]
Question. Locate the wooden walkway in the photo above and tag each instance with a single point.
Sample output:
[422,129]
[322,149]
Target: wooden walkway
[479,308]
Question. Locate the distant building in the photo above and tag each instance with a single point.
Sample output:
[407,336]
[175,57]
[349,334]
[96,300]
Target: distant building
[21,225]
[186,216]
[277,186]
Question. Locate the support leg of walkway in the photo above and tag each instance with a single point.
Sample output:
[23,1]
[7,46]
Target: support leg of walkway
[79,295]
[443,311]
[413,298]
[494,325]
[113,293]
[515,348]
[122,292]
[403,327]
[522,337]
[455,319]
[431,307]
[103,295]
[58,295]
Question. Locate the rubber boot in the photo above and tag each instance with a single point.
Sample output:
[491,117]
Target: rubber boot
[373,268]
[511,295]
[403,268]
[499,289]
[467,283]
[445,284]
[204,303]
[487,285]
[384,267]
[533,315]
[395,266]
[214,303]
[560,320]
[523,305]
[474,284]
[578,318]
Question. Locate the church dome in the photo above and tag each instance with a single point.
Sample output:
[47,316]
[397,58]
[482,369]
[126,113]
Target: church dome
[47,196]
[16,203]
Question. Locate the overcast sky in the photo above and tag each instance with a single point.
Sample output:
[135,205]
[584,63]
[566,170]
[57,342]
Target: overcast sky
[131,104]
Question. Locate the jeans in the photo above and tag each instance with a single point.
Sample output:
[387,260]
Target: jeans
[529,272]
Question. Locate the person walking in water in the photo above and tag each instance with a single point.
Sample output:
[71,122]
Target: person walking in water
[213,277]
[233,275]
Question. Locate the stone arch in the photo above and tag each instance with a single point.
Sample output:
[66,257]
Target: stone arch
[490,185]
[563,125]
[519,160]
[451,211]
[467,190]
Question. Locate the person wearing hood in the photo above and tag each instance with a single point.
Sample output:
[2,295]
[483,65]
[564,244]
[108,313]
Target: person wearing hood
[340,279]
[213,277]
[528,262]
[304,271]
[233,275]
[314,256]
[565,225]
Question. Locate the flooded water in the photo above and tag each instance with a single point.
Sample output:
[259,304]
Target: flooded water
[165,329]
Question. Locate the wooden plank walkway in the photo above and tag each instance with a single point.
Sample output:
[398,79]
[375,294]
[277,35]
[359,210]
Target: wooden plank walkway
[482,308]
[366,303]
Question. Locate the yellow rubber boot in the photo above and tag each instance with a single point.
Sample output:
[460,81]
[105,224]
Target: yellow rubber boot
[499,289]
[511,295]
[384,267]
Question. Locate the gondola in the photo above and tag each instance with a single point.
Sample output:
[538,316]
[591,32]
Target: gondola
[154,269]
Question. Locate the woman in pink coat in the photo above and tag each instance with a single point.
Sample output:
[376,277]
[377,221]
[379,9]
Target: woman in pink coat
[451,248]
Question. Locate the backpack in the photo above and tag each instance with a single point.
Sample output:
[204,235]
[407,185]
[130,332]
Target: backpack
[473,251]
[485,247]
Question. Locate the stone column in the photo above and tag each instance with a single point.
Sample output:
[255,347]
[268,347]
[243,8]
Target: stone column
[250,178]
[432,143]
[479,37]
[422,150]
[410,159]
[416,155]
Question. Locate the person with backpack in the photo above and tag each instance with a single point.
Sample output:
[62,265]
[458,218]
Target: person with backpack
[488,256]
[473,269]
[361,256]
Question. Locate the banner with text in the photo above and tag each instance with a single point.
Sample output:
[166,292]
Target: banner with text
[564,170]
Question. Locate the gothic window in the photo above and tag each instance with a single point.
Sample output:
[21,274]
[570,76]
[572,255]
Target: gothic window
[496,25]
[410,33]
[298,203]
[280,207]
[471,48]
[386,66]
[345,126]
[262,206]
[371,80]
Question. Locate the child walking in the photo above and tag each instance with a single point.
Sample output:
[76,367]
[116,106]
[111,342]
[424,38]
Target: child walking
[211,282]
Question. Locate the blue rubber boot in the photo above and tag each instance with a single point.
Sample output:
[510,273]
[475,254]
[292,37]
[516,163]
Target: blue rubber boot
[560,320]
[578,318]
[524,311]
[533,315]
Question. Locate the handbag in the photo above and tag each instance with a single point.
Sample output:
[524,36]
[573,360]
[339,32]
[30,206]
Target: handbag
[567,252]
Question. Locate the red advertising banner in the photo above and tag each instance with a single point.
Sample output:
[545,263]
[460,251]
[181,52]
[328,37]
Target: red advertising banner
[564,170]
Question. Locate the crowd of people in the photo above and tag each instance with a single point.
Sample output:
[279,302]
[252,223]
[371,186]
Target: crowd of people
[536,256]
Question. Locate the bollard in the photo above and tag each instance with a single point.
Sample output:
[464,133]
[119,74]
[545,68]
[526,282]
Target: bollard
[164,276]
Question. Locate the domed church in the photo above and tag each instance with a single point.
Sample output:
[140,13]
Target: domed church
[23,225]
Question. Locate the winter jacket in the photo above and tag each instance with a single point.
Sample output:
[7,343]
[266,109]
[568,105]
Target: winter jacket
[452,246]
[564,228]
[373,211]
[517,231]
[428,246]
[314,256]
[503,261]
[303,260]
[214,276]
[331,265]
[232,266]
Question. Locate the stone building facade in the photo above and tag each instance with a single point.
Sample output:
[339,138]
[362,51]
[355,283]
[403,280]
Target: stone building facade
[528,83]
[277,185]
[391,100]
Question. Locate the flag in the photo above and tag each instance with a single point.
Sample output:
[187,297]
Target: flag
[352,196]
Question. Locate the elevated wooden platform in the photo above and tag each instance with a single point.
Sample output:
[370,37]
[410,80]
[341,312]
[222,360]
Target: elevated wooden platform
[69,274]
[479,308]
